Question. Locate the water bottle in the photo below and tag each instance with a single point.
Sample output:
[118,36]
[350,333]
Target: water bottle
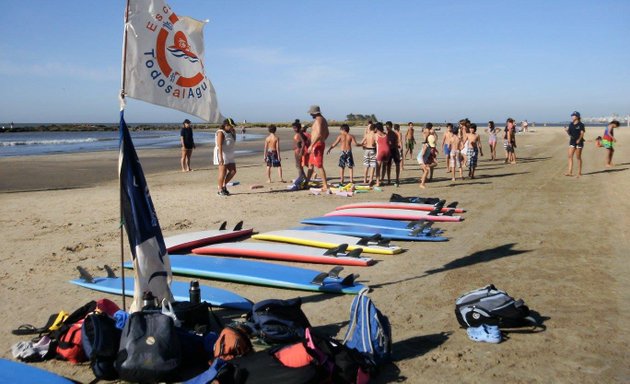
[194,292]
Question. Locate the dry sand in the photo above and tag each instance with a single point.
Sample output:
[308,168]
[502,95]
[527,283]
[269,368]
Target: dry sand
[556,241]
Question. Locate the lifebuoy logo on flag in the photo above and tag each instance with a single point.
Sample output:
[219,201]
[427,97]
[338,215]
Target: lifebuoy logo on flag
[165,60]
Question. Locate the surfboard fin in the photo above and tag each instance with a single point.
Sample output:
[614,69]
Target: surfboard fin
[433,232]
[334,272]
[416,223]
[349,280]
[238,226]
[449,212]
[110,271]
[85,275]
[319,279]
[336,250]
[223,226]
[355,252]
[453,204]
[369,239]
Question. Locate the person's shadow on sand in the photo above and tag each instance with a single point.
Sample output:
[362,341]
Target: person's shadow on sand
[484,256]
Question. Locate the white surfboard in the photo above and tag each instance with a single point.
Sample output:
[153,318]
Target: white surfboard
[197,239]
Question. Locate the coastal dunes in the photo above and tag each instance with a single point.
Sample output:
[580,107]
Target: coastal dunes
[558,242]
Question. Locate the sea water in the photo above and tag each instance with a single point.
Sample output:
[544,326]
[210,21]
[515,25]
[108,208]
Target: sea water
[45,143]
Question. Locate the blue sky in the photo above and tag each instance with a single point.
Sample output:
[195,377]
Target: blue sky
[269,60]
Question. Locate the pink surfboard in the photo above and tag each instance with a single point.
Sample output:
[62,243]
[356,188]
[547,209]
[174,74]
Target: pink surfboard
[396,205]
[394,214]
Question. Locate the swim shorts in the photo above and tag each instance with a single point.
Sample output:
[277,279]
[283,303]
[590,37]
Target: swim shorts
[346,160]
[472,155]
[369,157]
[410,144]
[574,143]
[272,159]
[456,160]
[316,157]
[447,149]
[394,155]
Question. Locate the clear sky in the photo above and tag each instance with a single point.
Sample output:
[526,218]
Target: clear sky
[269,60]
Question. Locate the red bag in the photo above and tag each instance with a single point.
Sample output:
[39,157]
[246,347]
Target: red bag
[69,346]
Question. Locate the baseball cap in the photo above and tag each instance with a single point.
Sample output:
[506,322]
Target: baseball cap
[576,114]
[229,121]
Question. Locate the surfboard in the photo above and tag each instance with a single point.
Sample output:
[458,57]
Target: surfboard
[397,205]
[289,252]
[368,222]
[369,244]
[414,199]
[391,234]
[19,373]
[396,214]
[197,239]
[263,273]
[214,296]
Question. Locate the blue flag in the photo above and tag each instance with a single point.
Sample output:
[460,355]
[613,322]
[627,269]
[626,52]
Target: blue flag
[152,268]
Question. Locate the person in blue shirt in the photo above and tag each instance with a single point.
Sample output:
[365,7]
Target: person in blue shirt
[188,144]
[576,142]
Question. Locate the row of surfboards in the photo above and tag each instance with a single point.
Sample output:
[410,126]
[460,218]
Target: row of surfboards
[341,237]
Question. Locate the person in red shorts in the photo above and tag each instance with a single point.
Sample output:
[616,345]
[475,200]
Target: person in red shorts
[319,134]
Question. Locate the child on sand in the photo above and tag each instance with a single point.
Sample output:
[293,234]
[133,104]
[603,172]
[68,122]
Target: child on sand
[492,139]
[271,153]
[300,143]
[426,157]
[369,154]
[455,145]
[400,148]
[474,149]
[345,158]
[608,141]
[576,132]
[509,141]
[446,146]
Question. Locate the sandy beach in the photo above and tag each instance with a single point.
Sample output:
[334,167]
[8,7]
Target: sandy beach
[558,242]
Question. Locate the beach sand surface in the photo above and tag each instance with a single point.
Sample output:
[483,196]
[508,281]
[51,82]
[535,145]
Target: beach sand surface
[560,243]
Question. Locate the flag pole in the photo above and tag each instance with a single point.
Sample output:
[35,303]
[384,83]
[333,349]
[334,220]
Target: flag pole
[120,191]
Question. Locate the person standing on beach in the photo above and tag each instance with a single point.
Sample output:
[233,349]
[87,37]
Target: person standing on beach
[382,153]
[400,147]
[426,156]
[446,147]
[474,150]
[369,154]
[225,138]
[188,144]
[509,141]
[345,158]
[271,153]
[319,134]
[492,139]
[300,146]
[394,153]
[576,142]
[410,142]
[455,145]
[608,141]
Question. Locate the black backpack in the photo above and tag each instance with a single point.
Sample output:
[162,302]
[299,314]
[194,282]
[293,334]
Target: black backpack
[101,339]
[278,321]
[489,305]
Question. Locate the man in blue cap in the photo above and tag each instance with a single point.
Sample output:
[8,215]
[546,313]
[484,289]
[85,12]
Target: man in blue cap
[576,142]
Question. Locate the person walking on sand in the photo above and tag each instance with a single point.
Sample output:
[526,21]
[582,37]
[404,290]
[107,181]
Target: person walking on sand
[225,138]
[576,142]
[369,155]
[271,153]
[608,141]
[492,139]
[188,144]
[345,139]
[410,142]
[474,150]
[319,134]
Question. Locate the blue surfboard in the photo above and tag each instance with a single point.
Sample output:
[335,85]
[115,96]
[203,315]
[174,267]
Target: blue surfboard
[356,230]
[215,296]
[20,373]
[404,226]
[262,273]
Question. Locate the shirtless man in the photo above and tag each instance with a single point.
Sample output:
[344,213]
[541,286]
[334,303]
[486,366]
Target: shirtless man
[410,141]
[319,134]
[455,145]
[474,149]
[345,159]
[369,154]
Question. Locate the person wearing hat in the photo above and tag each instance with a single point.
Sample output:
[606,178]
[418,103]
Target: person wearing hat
[319,134]
[188,144]
[576,142]
[224,139]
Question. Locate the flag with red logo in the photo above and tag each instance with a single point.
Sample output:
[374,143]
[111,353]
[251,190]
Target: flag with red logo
[163,61]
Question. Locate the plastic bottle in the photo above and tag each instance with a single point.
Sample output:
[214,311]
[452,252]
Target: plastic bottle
[194,293]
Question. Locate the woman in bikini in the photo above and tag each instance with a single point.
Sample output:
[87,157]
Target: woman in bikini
[492,139]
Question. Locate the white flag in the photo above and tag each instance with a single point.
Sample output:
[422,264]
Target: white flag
[164,60]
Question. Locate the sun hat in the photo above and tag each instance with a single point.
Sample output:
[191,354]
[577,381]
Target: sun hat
[576,114]
[314,110]
[229,121]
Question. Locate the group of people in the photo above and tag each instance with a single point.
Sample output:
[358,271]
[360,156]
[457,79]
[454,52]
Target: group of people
[384,147]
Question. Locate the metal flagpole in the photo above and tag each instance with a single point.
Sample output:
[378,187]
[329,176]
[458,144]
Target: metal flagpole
[120,191]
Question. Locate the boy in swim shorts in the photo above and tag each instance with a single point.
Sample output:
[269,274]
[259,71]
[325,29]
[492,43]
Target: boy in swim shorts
[474,149]
[608,141]
[369,154]
[345,158]
[446,147]
[455,144]
[271,153]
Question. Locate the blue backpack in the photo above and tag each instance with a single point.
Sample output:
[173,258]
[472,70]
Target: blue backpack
[369,330]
